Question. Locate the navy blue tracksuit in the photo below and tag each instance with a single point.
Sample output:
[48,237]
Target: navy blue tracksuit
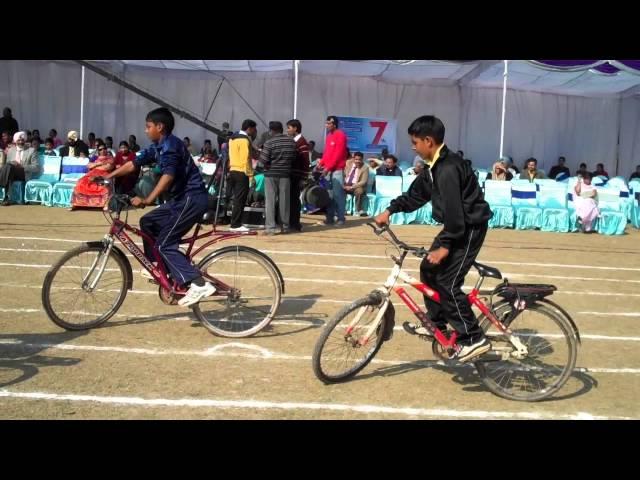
[169,222]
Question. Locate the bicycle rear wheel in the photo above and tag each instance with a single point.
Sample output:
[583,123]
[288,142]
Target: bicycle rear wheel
[256,297]
[551,357]
[66,294]
[342,350]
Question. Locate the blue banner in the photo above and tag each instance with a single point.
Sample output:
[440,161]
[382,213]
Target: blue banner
[369,135]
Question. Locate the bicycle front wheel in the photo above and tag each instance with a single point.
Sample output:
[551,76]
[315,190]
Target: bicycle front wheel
[550,359]
[345,345]
[69,295]
[256,295]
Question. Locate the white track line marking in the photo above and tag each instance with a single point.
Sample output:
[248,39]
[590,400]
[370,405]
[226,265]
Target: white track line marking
[312,254]
[256,352]
[361,282]
[327,407]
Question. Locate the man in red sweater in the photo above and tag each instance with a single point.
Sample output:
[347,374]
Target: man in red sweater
[299,172]
[334,159]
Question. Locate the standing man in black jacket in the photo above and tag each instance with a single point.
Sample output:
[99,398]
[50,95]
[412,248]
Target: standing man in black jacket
[458,203]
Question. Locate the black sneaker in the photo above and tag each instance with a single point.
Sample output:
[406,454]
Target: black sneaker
[419,329]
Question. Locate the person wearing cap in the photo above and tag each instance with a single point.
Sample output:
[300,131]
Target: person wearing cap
[20,165]
[74,146]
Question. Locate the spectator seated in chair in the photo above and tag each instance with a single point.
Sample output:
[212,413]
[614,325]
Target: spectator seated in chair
[5,141]
[49,148]
[635,174]
[356,175]
[126,183]
[19,165]
[87,193]
[559,168]
[531,171]
[600,171]
[585,199]
[74,146]
[418,167]
[582,170]
[390,167]
[499,172]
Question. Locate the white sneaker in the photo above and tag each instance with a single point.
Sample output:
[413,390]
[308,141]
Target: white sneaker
[241,229]
[468,352]
[144,273]
[196,293]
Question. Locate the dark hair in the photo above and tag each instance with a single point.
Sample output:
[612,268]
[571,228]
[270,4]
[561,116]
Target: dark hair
[295,123]
[599,165]
[91,133]
[164,116]
[275,126]
[133,136]
[427,126]
[583,165]
[206,140]
[109,138]
[248,124]
[334,119]
[587,175]
[187,138]
[311,141]
[100,143]
[54,131]
[124,143]
[48,140]
[562,158]
[392,157]
[461,153]
[225,124]
[358,154]
[531,159]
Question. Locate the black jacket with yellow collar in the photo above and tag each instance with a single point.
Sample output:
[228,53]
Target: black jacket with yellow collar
[458,201]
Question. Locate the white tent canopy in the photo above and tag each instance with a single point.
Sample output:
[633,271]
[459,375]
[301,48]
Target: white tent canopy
[583,115]
[523,75]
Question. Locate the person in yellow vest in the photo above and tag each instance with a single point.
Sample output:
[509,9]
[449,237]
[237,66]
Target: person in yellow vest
[241,171]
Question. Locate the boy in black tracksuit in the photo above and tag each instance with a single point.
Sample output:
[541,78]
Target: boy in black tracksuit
[459,204]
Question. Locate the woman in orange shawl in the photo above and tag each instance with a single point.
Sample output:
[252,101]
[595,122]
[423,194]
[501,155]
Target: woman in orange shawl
[88,194]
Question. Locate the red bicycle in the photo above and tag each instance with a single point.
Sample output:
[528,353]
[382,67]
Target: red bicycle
[88,284]
[534,340]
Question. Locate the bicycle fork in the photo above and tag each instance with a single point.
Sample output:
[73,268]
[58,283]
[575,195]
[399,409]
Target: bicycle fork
[101,259]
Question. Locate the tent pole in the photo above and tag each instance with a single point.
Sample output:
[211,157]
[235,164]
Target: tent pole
[82,104]
[504,105]
[296,63]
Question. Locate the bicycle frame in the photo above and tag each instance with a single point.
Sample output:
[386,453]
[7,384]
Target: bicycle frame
[447,343]
[119,228]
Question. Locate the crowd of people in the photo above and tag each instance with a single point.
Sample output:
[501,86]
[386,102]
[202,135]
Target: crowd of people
[268,170]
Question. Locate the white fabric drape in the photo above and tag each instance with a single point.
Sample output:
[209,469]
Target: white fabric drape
[540,125]
[629,154]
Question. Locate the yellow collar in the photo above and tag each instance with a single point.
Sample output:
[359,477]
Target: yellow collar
[435,157]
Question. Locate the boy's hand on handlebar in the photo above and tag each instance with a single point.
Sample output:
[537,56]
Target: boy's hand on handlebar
[138,202]
[382,219]
[437,256]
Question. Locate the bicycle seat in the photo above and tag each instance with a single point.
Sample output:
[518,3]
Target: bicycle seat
[486,271]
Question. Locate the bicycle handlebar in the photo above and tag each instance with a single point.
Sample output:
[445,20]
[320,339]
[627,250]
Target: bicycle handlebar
[417,251]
